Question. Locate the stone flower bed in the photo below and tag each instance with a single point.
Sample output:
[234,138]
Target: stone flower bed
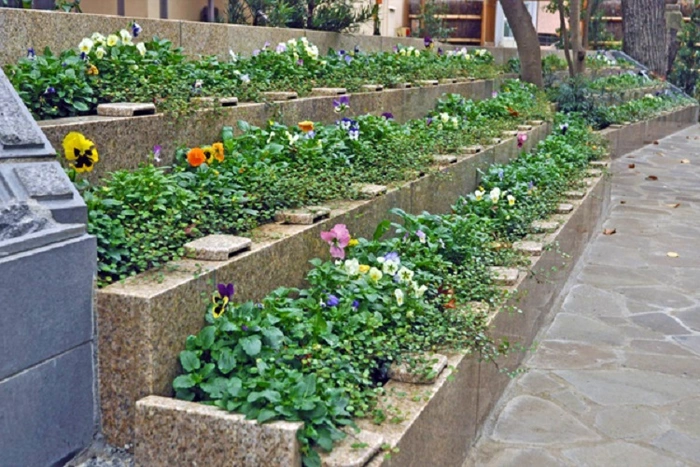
[402,405]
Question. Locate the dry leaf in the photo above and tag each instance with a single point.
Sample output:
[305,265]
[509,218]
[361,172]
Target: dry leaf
[631,166]
[655,142]
[672,254]
[623,202]
[674,206]
[652,177]
[609,231]
[685,161]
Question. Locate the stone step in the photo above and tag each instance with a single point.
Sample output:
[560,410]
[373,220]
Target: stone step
[544,226]
[280,95]
[574,194]
[496,140]
[471,149]
[536,122]
[302,216]
[565,208]
[126,109]
[510,134]
[420,373]
[445,159]
[401,86]
[216,247]
[529,248]
[524,127]
[504,276]
[370,190]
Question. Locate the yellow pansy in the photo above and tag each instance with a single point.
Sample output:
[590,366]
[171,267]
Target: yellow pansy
[80,152]
[353,242]
[209,154]
[364,269]
[112,40]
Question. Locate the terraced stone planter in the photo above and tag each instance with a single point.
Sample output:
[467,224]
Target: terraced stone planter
[438,420]
[125,141]
[151,315]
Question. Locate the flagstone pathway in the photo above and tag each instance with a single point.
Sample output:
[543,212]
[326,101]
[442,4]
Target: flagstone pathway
[615,380]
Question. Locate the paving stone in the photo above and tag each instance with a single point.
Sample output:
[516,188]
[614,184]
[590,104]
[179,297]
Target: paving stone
[673,365]
[623,386]
[660,322]
[125,109]
[504,276]
[526,457]
[685,416]
[690,318]
[531,420]
[630,422]
[570,402]
[584,299]
[658,296]
[570,355]
[612,276]
[690,342]
[216,247]
[529,248]
[618,454]
[680,444]
[538,382]
[658,347]
[570,327]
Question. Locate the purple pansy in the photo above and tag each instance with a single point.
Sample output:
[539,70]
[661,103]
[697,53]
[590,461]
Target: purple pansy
[332,300]
[421,236]
[136,29]
[428,42]
[156,152]
[50,90]
[500,174]
[522,137]
[348,59]
[356,304]
[226,290]
[256,52]
[31,55]
[300,62]
[388,115]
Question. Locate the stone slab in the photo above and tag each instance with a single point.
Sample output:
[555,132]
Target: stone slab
[510,134]
[574,194]
[47,305]
[219,101]
[565,208]
[529,248]
[354,451]
[44,181]
[280,95]
[216,247]
[401,86]
[472,149]
[48,411]
[425,369]
[427,82]
[445,159]
[171,432]
[504,276]
[371,190]
[328,91]
[524,127]
[372,87]
[592,173]
[126,109]
[304,216]
[603,164]
[544,226]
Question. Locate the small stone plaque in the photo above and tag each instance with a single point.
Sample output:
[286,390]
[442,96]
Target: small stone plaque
[126,109]
[303,216]
[280,95]
[44,181]
[328,91]
[574,194]
[496,140]
[529,248]
[536,122]
[372,87]
[445,159]
[504,276]
[565,208]
[216,101]
[428,82]
[421,373]
[372,191]
[216,247]
[544,226]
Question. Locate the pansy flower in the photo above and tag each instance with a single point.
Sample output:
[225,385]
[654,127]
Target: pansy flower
[342,104]
[388,115]
[306,126]
[218,151]
[522,137]
[80,152]
[338,238]
[136,29]
[156,152]
[221,298]
[31,55]
[428,42]
[196,157]
[85,45]
[93,70]
[208,154]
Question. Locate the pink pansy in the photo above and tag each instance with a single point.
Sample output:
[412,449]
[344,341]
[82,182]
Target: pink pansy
[338,238]
[522,137]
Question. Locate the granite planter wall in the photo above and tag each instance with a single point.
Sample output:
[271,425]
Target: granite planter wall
[143,322]
[124,142]
[438,425]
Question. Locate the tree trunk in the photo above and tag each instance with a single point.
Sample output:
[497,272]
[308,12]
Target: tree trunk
[578,54]
[565,37]
[644,33]
[520,23]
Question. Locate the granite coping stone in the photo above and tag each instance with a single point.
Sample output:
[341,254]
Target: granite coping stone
[328,91]
[524,127]
[306,215]
[373,87]
[371,190]
[280,95]
[216,247]
[528,247]
[215,101]
[574,194]
[436,422]
[125,109]
[366,445]
[504,276]
[445,159]
[565,208]
[472,149]
[428,82]
[544,226]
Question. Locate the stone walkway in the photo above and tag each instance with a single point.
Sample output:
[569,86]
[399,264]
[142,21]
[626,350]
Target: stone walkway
[615,380]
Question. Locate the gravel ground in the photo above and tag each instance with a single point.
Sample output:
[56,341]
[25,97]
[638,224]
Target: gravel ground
[101,454]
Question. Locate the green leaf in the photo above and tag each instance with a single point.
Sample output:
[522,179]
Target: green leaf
[183,382]
[268,394]
[234,387]
[273,337]
[312,459]
[216,388]
[226,361]
[190,361]
[81,106]
[265,415]
[324,439]
[381,230]
[251,345]
[305,388]
[227,133]
[206,337]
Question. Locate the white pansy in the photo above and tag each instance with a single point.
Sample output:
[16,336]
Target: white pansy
[398,293]
[405,274]
[234,57]
[352,267]
[495,195]
[98,38]
[418,291]
[141,47]
[479,195]
[511,200]
[390,267]
[112,40]
[85,45]
[125,36]
[444,117]
[100,52]
[292,138]
[375,274]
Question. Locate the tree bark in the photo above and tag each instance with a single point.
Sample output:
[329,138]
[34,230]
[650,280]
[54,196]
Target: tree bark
[565,37]
[644,33]
[578,54]
[525,35]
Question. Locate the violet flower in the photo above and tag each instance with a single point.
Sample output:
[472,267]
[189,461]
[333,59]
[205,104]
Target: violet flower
[440,51]
[429,121]
[356,304]
[244,327]
[156,152]
[256,52]
[522,137]
[392,256]
[354,133]
[427,42]
[494,95]
[357,49]
[564,128]
[346,123]
[83,56]
[388,115]
[500,174]
[50,90]
[332,300]
[348,59]
[342,104]
[31,55]
[311,134]
[281,47]
[136,29]
[421,236]
[226,290]
[300,62]
[267,44]
[338,238]
[245,78]
[341,52]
